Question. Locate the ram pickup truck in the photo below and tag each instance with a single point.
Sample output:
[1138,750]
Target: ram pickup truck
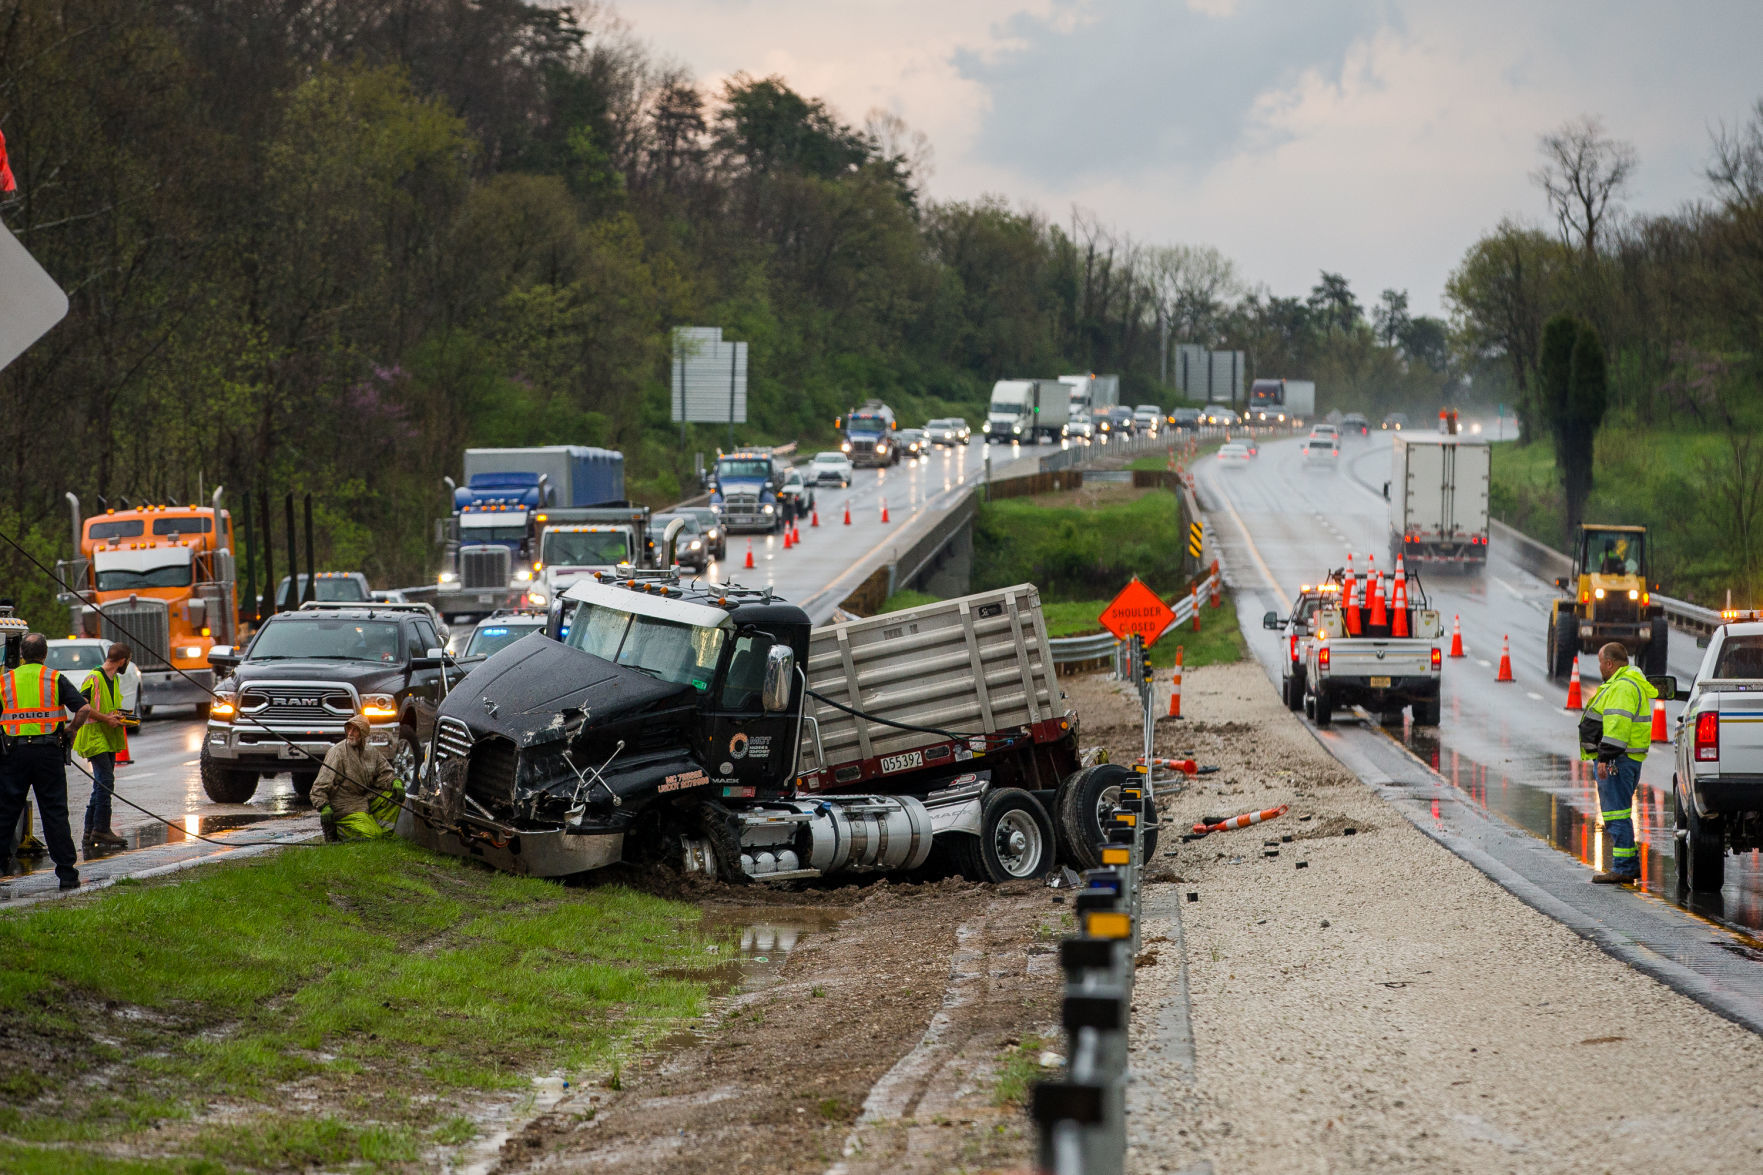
[1372,668]
[1717,777]
[712,726]
[1296,631]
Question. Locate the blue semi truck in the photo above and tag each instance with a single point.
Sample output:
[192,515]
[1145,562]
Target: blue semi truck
[869,435]
[744,489]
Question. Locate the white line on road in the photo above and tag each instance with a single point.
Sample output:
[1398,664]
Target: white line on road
[1516,594]
[1534,697]
[1483,664]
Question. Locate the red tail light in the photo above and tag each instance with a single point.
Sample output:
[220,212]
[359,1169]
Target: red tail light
[1436,660]
[1294,648]
[1708,736]
[1322,657]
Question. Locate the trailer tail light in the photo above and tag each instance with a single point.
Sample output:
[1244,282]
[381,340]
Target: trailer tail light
[1322,657]
[1708,736]
[1437,661]
[1294,648]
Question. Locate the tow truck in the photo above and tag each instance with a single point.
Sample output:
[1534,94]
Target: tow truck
[1610,601]
[1717,765]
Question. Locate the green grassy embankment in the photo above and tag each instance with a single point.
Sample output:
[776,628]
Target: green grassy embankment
[1668,480]
[1081,547]
[323,1007]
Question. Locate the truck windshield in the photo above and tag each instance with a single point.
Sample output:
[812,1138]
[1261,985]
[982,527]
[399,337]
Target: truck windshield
[184,525]
[327,640]
[120,579]
[683,654]
[331,591]
[1614,552]
[126,529]
[1006,408]
[491,638]
[585,548]
[746,467]
[865,422]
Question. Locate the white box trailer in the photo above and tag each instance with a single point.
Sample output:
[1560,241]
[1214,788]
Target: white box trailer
[1438,495]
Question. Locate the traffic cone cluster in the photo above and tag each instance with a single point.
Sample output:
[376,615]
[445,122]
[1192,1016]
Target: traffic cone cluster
[1573,699]
[1505,673]
[1243,821]
[1660,735]
[1399,602]
[1175,685]
[1456,636]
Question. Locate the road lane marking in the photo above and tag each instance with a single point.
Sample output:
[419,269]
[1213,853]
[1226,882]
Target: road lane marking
[1516,594]
[1483,664]
[1535,697]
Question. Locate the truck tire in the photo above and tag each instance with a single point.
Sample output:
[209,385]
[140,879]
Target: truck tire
[1657,647]
[1015,841]
[1563,648]
[226,785]
[1292,692]
[1320,708]
[406,758]
[303,781]
[1078,807]
[1700,847]
[717,827]
[1426,711]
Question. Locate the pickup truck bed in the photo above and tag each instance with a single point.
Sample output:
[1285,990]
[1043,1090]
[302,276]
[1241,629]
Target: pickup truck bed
[1381,673]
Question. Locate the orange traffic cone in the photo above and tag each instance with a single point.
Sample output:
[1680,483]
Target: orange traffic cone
[1505,673]
[1215,578]
[814,520]
[788,542]
[122,756]
[1573,699]
[1244,820]
[1196,602]
[795,535]
[749,554]
[1379,614]
[1399,612]
[884,509]
[1175,685]
[1659,733]
[1456,636]
[847,513]
[1350,598]
[1185,766]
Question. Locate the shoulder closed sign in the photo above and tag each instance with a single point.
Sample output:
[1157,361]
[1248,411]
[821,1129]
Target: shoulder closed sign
[1137,611]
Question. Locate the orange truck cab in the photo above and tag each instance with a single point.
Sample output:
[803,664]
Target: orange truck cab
[161,580]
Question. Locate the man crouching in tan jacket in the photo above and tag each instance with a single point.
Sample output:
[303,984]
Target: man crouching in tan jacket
[356,794]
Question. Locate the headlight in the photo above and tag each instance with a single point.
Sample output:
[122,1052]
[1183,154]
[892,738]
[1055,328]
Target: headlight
[845,447]
[224,707]
[716,506]
[539,599]
[1016,428]
[378,707]
[770,509]
[1599,593]
[449,577]
[693,545]
[189,652]
[1634,593]
[524,575]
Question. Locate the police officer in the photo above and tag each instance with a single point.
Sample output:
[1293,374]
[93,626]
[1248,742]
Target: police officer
[33,704]
[99,743]
[1615,734]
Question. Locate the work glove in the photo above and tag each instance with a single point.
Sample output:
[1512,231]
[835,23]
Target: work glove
[327,823]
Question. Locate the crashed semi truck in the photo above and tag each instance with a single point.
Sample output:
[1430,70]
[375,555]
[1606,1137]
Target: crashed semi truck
[713,727]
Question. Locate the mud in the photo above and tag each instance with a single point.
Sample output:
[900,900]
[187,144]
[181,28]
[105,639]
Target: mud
[873,1045]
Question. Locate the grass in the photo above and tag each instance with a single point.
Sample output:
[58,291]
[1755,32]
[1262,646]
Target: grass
[1219,641]
[1665,479]
[378,974]
[1018,1070]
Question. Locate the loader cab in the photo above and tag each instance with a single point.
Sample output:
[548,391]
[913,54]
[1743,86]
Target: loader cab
[1611,552]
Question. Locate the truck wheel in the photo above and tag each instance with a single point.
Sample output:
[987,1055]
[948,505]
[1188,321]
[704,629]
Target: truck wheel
[226,785]
[1563,649]
[1079,806]
[1321,709]
[303,781]
[1701,849]
[406,758]
[1015,840]
[1657,647]
[717,827]
[1426,711]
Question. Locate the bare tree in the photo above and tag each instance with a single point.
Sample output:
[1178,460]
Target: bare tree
[1583,172]
[895,140]
[1737,170]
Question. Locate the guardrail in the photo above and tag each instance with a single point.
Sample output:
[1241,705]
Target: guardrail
[1080,1119]
[1547,563]
[1098,646]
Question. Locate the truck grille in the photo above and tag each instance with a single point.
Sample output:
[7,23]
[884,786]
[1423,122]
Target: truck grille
[144,626]
[296,703]
[452,740]
[489,779]
[485,567]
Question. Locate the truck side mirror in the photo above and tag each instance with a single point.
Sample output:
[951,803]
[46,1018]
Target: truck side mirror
[780,668]
[1272,620]
[1666,685]
[223,659]
[1561,582]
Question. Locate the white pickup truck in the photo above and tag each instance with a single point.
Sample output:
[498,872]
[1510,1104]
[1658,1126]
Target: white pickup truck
[1717,777]
[1373,669]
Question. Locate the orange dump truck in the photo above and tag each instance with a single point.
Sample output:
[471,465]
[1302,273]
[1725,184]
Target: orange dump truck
[161,580]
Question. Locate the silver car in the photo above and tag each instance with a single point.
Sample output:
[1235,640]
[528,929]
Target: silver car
[1081,426]
[949,430]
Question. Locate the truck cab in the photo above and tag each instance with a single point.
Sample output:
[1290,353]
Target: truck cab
[1296,629]
[1717,765]
[745,491]
[569,552]
[869,435]
[1611,600]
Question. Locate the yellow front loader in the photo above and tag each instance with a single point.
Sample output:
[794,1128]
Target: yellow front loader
[1609,600]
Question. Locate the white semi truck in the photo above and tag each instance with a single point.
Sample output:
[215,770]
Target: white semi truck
[1023,411]
[1092,393]
[1438,495]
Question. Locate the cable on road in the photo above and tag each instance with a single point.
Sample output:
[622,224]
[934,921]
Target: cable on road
[993,742]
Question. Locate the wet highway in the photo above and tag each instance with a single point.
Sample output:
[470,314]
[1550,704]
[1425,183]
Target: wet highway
[1509,748]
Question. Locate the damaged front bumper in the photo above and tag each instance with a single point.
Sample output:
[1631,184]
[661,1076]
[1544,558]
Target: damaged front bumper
[540,853]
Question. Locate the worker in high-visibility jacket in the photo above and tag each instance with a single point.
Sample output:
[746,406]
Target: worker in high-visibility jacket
[34,701]
[99,743]
[1614,734]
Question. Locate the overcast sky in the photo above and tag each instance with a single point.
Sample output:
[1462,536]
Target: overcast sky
[1377,138]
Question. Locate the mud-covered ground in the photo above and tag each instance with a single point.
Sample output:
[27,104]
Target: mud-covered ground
[877,1043]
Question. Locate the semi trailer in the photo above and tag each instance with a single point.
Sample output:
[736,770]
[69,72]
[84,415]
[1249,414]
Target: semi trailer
[1438,495]
[713,726]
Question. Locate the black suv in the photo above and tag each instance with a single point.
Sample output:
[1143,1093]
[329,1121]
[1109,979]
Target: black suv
[282,702]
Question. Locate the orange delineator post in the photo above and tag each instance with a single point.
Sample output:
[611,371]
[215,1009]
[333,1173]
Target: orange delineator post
[1195,592]
[1505,673]
[1175,685]
[1244,820]
[749,554]
[847,514]
[1660,734]
[1456,636]
[1573,698]
[1215,577]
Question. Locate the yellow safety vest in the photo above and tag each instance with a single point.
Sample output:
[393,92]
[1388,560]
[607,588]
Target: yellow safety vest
[28,701]
[95,738]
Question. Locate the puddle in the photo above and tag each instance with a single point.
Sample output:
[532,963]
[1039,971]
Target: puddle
[756,944]
[188,827]
[1555,798]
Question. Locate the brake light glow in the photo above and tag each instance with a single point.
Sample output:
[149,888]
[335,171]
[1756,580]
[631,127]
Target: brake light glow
[1436,660]
[1708,736]
[1294,639]
[1322,657]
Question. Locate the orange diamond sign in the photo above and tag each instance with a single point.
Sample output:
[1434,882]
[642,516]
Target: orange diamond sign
[1137,610]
